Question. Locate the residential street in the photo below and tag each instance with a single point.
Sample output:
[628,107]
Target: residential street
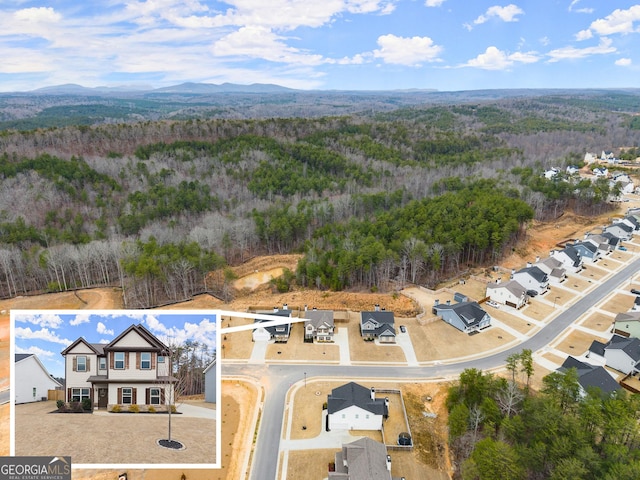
[277,379]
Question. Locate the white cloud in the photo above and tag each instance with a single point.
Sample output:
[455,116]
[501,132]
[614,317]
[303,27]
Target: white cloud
[260,42]
[37,15]
[41,319]
[37,351]
[623,62]
[102,329]
[545,41]
[80,318]
[579,10]
[203,332]
[568,53]
[43,334]
[506,14]
[406,51]
[434,3]
[583,35]
[619,21]
[495,59]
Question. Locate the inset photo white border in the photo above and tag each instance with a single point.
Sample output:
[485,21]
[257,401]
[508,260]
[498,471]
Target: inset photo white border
[73,344]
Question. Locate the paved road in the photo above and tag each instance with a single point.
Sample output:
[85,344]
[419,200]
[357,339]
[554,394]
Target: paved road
[281,377]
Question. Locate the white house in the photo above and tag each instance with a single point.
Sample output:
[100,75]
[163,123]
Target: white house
[569,257]
[590,157]
[354,407]
[33,381]
[553,268]
[132,369]
[625,183]
[621,230]
[319,325]
[532,278]
[509,293]
[623,354]
[551,173]
[210,382]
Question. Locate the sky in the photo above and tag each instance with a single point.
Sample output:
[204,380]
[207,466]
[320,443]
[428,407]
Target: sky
[46,334]
[448,45]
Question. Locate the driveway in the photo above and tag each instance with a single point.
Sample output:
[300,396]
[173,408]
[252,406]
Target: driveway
[115,438]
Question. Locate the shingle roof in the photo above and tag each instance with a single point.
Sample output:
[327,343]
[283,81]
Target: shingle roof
[22,356]
[630,346]
[536,273]
[597,348]
[354,394]
[366,460]
[591,375]
[318,318]
[471,313]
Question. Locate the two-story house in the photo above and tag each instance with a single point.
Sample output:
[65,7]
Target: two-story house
[378,324]
[319,325]
[509,293]
[569,257]
[532,278]
[132,369]
[587,250]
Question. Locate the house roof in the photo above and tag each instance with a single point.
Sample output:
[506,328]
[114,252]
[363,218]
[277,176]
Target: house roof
[318,318]
[573,254]
[210,366]
[587,246]
[379,316]
[628,316]
[144,333]
[623,226]
[22,356]
[630,346]
[633,220]
[366,459]
[597,348]
[354,394]
[550,262]
[512,287]
[613,240]
[591,375]
[82,340]
[471,313]
[535,272]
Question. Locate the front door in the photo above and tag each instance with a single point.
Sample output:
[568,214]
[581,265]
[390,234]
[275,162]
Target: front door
[103,397]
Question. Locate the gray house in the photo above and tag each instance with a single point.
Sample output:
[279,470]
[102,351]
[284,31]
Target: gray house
[364,459]
[467,317]
[590,376]
[319,325]
[621,230]
[210,382]
[587,251]
[378,324]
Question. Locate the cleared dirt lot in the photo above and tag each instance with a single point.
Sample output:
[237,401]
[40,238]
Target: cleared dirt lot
[619,302]
[113,438]
[598,321]
[577,342]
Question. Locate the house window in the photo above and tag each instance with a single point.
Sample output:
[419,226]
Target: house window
[34,392]
[154,396]
[357,416]
[79,394]
[119,361]
[103,363]
[145,361]
[127,395]
[344,415]
[81,364]
[160,359]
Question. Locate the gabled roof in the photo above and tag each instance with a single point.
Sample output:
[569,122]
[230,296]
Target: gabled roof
[317,318]
[512,287]
[628,316]
[550,262]
[365,459]
[630,346]
[587,246]
[535,272]
[613,240]
[633,220]
[22,356]
[471,313]
[354,394]
[591,375]
[378,316]
[143,332]
[92,346]
[210,366]
[573,254]
[623,226]
[597,348]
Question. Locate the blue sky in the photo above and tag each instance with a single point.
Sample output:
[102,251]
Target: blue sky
[47,333]
[330,44]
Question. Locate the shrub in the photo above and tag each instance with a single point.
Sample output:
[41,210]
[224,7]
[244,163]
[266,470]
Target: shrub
[173,409]
[60,404]
[86,404]
[76,407]
[151,409]
[134,408]
[116,409]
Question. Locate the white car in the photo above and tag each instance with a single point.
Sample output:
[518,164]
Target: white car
[493,304]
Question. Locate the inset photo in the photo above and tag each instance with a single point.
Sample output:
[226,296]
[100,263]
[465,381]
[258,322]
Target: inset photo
[116,388]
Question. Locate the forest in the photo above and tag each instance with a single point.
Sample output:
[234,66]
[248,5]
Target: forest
[373,199]
[500,428]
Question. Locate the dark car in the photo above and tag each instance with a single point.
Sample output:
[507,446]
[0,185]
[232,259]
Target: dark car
[403,329]
[635,292]
[532,293]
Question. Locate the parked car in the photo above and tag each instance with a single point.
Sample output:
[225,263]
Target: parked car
[623,248]
[532,293]
[493,304]
[403,329]
[635,291]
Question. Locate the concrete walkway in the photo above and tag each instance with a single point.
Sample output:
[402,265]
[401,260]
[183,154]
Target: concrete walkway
[341,338]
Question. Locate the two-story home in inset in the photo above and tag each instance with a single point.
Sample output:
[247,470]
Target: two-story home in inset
[532,278]
[378,324]
[319,325]
[354,407]
[468,317]
[132,369]
[509,293]
[569,257]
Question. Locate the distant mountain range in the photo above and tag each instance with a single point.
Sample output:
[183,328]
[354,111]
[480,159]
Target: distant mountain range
[183,88]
